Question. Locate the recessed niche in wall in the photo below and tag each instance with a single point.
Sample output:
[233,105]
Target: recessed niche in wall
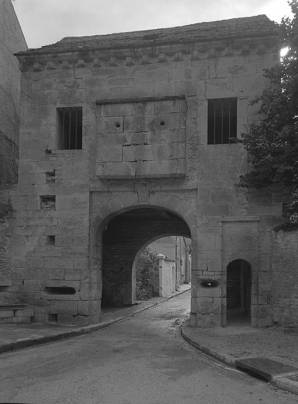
[48,202]
[52,318]
[50,176]
[209,283]
[51,240]
[60,290]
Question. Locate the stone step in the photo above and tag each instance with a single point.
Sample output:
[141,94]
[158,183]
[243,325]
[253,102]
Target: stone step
[264,367]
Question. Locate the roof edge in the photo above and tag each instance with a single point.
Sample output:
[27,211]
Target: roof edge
[245,27]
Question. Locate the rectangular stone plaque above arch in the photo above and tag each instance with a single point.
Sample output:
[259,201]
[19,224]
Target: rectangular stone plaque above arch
[140,138]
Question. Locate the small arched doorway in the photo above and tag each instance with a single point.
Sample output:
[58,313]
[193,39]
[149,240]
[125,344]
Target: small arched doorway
[239,292]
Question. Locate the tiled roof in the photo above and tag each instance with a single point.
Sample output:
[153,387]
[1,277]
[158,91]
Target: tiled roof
[206,31]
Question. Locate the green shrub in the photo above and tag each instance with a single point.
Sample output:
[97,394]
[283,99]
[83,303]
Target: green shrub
[146,269]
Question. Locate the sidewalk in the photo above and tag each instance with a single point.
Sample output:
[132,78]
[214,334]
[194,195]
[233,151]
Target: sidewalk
[271,352]
[17,336]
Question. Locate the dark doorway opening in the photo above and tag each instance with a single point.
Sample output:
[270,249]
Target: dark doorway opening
[238,292]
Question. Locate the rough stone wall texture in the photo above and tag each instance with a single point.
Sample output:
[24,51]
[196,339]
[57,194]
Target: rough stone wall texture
[141,139]
[5,280]
[8,162]
[285,277]
[11,41]
[50,247]
[10,289]
[145,171]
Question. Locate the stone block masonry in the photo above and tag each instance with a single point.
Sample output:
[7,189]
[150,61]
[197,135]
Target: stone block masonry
[115,152]
[144,139]
[11,41]
[8,161]
[283,294]
[16,314]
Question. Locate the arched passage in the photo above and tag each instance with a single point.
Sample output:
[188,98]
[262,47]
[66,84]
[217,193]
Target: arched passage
[173,269]
[238,291]
[123,237]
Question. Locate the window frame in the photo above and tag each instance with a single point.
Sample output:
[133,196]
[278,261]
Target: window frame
[222,120]
[70,128]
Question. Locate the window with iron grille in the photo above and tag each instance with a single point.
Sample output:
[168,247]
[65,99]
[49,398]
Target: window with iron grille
[222,120]
[70,128]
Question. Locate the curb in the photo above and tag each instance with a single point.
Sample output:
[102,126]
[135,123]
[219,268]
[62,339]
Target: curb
[32,341]
[226,359]
[285,383]
[280,381]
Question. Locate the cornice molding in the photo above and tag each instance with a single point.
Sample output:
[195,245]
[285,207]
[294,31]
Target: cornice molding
[141,100]
[146,55]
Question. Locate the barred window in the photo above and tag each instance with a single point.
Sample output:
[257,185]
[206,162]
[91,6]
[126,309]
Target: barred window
[222,120]
[70,128]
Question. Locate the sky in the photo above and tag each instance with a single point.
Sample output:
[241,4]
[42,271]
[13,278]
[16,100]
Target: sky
[47,21]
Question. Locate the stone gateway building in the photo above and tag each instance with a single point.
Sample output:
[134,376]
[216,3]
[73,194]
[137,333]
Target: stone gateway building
[127,138]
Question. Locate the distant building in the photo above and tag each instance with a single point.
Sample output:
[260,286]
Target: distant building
[176,249]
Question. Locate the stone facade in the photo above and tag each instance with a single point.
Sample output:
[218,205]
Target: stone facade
[144,169]
[11,41]
[177,249]
[284,281]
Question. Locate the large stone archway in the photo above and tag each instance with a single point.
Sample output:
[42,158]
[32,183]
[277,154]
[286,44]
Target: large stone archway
[122,238]
[120,226]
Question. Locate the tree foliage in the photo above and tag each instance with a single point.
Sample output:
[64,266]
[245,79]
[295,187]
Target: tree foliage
[272,142]
[146,267]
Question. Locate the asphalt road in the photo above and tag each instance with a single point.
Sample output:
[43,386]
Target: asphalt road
[142,360]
